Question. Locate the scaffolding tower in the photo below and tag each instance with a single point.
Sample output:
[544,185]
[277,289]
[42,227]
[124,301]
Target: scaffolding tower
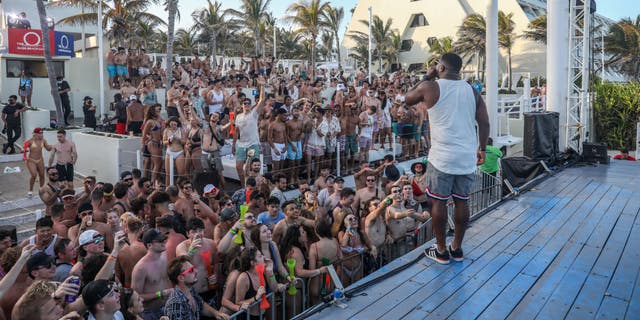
[578,99]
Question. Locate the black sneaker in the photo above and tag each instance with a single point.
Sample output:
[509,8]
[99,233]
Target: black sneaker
[433,254]
[456,255]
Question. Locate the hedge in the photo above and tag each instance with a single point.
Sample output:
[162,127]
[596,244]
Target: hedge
[616,112]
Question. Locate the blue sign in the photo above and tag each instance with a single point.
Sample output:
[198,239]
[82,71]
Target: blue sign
[63,44]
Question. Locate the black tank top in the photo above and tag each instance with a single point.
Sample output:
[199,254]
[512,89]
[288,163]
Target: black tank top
[251,293]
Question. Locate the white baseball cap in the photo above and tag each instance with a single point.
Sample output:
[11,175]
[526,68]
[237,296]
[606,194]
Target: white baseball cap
[133,97]
[87,237]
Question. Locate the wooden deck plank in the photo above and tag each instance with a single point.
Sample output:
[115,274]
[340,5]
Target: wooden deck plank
[486,261]
[560,256]
[633,310]
[565,294]
[391,290]
[515,291]
[522,252]
[612,308]
[594,291]
[624,277]
[490,238]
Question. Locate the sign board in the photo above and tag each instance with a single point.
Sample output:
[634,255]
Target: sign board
[63,44]
[30,42]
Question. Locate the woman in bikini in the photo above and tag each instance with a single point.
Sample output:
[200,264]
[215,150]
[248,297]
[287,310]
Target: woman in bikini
[353,244]
[33,156]
[324,252]
[294,245]
[147,94]
[152,142]
[174,138]
[194,144]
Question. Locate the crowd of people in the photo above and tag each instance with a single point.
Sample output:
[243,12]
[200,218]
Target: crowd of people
[142,248]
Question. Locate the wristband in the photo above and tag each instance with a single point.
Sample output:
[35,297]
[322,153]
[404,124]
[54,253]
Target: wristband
[273,277]
[234,231]
[191,251]
[159,293]
[112,258]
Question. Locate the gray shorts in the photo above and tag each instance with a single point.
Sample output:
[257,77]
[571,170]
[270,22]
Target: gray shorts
[441,185]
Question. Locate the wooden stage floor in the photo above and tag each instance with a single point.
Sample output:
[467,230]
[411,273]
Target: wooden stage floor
[568,249]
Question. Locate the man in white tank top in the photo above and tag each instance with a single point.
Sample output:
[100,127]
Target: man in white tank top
[454,108]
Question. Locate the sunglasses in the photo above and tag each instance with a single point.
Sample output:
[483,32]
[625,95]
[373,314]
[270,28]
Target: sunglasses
[375,204]
[250,217]
[229,204]
[127,179]
[189,270]
[371,180]
[98,239]
[352,219]
[396,191]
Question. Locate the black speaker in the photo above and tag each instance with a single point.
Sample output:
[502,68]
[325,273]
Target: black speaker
[540,141]
[13,233]
[595,152]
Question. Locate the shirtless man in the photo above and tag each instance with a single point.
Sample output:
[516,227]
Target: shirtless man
[365,134]
[70,205]
[111,67]
[65,155]
[185,206]
[166,225]
[294,137]
[395,215]
[343,209]
[365,194]
[198,247]
[375,226]
[145,63]
[196,64]
[127,90]
[173,97]
[133,64]
[277,138]
[149,278]
[59,226]
[292,216]
[132,253]
[135,115]
[85,213]
[50,193]
[348,122]
[321,182]
[121,65]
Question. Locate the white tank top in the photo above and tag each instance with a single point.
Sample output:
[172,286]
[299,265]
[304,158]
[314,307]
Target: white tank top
[49,249]
[218,106]
[453,132]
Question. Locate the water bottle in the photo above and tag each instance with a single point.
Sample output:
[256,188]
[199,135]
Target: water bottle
[72,298]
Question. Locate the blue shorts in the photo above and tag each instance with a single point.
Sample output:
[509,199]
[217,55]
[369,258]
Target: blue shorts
[111,69]
[441,185]
[297,155]
[351,145]
[241,153]
[122,70]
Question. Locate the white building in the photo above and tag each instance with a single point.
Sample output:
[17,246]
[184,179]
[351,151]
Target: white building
[80,72]
[418,21]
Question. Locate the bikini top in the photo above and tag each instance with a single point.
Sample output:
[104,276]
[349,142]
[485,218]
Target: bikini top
[155,127]
[196,137]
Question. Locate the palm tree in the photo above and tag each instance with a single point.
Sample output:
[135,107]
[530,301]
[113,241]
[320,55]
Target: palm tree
[144,34]
[326,45]
[360,53]
[333,19]
[185,41]
[537,29]
[392,54]
[212,24]
[42,13]
[171,6]
[472,40]
[307,15]
[380,35]
[252,13]
[119,16]
[289,44]
[622,44]
[506,37]
[438,47]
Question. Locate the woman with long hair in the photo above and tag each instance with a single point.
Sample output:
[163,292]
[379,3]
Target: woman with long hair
[147,93]
[152,141]
[174,138]
[326,251]
[34,158]
[261,238]
[353,245]
[294,245]
[194,144]
[131,304]
[248,288]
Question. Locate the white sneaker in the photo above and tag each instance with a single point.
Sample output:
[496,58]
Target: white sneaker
[30,195]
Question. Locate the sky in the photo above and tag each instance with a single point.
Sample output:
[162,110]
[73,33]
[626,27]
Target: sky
[613,9]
